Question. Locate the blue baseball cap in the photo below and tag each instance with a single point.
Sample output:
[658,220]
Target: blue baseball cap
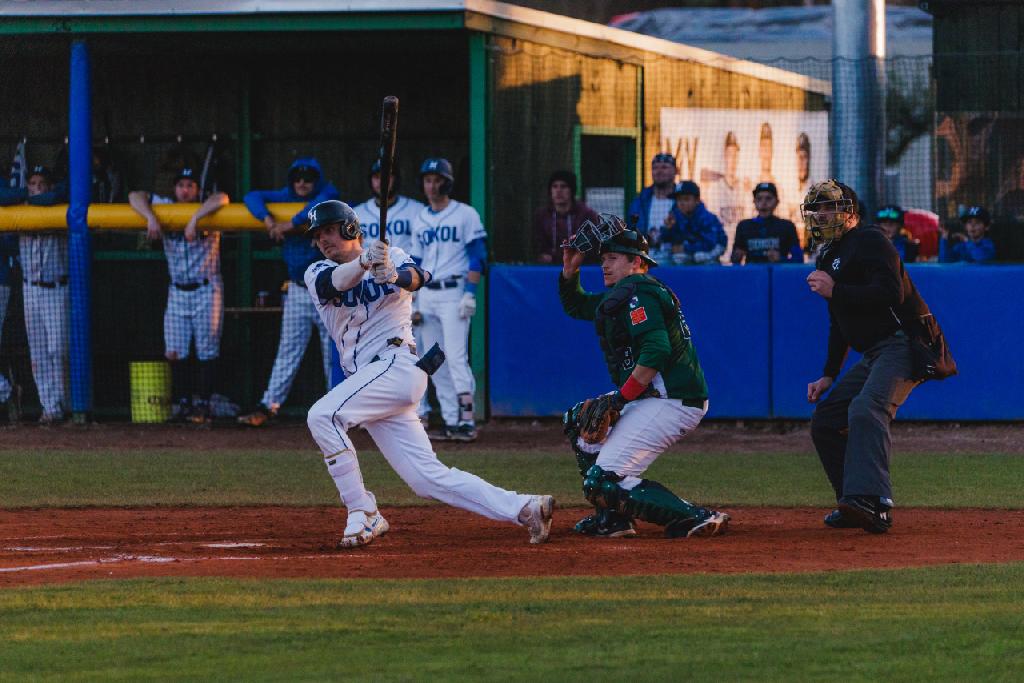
[766,187]
[686,187]
[187,173]
[978,212]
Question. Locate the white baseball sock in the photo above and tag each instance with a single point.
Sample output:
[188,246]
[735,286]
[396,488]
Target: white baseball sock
[344,469]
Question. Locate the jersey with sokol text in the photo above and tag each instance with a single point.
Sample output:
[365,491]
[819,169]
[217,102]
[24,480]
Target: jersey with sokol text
[362,319]
[401,216]
[440,239]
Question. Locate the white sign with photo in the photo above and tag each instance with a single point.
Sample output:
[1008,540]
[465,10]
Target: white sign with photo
[728,151]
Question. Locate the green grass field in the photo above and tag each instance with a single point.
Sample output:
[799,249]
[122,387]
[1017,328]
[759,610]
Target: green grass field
[949,623]
[298,478]
[942,623]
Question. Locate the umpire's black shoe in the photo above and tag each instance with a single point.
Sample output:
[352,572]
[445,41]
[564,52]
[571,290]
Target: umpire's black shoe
[837,520]
[867,512]
[606,524]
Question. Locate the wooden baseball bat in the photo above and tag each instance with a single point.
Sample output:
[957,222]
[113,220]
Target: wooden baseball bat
[388,137]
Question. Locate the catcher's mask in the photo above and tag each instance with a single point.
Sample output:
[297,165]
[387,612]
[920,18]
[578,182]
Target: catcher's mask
[826,209]
[591,235]
[629,242]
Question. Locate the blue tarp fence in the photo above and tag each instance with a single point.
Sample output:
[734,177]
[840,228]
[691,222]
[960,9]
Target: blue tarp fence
[761,337]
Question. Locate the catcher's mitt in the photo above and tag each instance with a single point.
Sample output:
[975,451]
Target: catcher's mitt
[598,415]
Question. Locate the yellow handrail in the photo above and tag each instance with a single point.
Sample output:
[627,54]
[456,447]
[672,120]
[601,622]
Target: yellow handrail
[26,218]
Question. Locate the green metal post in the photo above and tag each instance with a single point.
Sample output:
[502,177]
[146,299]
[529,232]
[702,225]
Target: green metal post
[478,192]
[243,264]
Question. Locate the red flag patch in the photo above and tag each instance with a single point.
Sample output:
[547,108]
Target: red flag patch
[638,315]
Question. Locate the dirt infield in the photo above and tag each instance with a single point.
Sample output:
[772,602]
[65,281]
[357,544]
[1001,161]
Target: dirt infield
[720,437]
[52,546]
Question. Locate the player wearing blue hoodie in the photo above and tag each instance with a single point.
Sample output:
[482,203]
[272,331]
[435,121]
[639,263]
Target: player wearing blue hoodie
[305,184]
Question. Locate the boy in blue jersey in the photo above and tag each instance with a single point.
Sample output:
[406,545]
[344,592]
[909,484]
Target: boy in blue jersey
[972,247]
[305,184]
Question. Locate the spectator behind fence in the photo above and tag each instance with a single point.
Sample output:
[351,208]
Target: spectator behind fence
[973,247]
[8,252]
[560,218]
[305,184]
[654,202]
[766,238]
[890,219]
[195,296]
[696,234]
[44,268]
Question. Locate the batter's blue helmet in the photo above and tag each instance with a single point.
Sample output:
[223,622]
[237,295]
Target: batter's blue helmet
[441,167]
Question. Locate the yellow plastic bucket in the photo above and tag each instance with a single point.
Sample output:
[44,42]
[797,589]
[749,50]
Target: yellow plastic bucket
[151,390]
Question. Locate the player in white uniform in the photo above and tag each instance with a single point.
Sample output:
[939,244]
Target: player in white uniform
[449,241]
[402,211]
[365,300]
[44,269]
[195,295]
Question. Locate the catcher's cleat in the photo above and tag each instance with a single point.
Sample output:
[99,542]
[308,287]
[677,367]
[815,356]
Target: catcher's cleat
[536,516]
[869,514]
[257,418]
[837,520]
[362,528]
[606,524]
[712,525]
[200,415]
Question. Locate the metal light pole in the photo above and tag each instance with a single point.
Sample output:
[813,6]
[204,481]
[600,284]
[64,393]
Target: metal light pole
[858,96]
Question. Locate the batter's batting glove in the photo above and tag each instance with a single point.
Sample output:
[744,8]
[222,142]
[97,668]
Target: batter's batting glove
[467,306]
[378,252]
[364,260]
[384,273]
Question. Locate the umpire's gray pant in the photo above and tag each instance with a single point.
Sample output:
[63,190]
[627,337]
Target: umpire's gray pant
[850,427]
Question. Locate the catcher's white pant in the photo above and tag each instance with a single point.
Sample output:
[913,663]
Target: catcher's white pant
[382,397]
[46,326]
[297,323]
[198,315]
[644,431]
[443,325]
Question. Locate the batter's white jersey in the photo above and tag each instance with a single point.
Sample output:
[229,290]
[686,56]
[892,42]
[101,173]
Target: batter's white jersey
[362,319]
[440,239]
[401,215]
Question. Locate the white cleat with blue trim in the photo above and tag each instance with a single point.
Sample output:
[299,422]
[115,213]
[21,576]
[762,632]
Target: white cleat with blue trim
[362,528]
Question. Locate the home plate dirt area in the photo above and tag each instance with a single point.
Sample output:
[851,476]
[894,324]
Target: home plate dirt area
[57,545]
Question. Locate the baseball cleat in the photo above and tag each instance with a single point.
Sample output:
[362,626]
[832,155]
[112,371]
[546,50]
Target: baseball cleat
[713,525]
[464,432]
[837,520]
[867,513]
[256,418]
[607,524]
[362,528]
[536,516]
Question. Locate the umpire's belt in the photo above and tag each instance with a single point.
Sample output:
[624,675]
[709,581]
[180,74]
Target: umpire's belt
[446,284]
[190,286]
[48,285]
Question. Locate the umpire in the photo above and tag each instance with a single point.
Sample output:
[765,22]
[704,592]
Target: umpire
[870,296]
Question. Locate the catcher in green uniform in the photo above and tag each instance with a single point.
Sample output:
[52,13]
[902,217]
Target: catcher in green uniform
[661,394]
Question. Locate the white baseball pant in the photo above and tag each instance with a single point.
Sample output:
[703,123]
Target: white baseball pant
[644,431]
[46,326]
[297,322]
[199,315]
[5,297]
[443,325]
[382,397]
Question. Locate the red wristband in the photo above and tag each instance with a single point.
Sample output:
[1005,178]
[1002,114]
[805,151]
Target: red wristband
[632,389]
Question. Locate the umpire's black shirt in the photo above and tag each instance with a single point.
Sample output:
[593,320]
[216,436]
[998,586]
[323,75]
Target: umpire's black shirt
[872,293]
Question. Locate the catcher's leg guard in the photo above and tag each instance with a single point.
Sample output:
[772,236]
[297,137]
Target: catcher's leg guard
[653,502]
[601,488]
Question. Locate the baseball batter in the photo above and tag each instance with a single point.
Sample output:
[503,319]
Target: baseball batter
[305,184]
[449,241]
[365,299]
[195,295]
[662,395]
[402,211]
[44,267]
